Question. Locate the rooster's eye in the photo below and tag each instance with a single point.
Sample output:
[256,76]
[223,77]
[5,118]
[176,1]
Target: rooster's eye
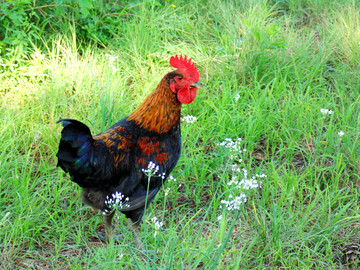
[179,78]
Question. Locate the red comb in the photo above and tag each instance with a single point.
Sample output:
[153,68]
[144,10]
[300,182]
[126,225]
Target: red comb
[185,66]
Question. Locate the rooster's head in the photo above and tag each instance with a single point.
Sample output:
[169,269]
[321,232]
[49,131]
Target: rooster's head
[185,80]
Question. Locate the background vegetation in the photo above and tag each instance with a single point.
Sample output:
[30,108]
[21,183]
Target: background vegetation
[267,68]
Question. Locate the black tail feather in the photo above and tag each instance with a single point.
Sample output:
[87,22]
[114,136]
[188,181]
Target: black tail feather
[75,148]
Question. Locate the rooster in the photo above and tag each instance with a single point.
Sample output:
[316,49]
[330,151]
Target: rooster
[111,167]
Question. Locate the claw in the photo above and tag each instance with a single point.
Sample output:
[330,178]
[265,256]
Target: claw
[103,238]
[117,237]
[100,236]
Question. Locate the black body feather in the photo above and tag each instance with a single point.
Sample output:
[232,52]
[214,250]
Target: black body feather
[112,161]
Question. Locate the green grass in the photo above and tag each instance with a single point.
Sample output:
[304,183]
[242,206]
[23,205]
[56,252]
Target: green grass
[285,59]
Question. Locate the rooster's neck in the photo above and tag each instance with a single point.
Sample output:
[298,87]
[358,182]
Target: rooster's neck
[160,111]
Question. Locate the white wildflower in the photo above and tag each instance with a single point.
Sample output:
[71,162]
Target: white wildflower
[240,181]
[235,203]
[326,111]
[233,145]
[114,69]
[235,168]
[245,182]
[151,169]
[237,97]
[341,133]
[220,217]
[111,60]
[167,191]
[261,175]
[157,224]
[116,201]
[188,119]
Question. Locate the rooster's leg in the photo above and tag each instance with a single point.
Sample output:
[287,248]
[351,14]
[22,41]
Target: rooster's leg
[135,231]
[108,229]
[107,223]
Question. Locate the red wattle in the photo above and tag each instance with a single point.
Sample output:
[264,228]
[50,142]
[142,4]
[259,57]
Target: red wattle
[186,95]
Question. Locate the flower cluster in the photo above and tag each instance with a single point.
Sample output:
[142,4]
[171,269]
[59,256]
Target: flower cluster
[158,224]
[152,170]
[234,204]
[233,145]
[240,181]
[116,201]
[326,111]
[329,112]
[245,182]
[237,97]
[173,179]
[111,60]
[188,119]
[166,191]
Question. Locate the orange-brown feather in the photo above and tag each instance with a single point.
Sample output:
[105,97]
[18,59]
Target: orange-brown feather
[161,158]
[113,137]
[148,146]
[160,110]
[141,162]
[118,158]
[121,144]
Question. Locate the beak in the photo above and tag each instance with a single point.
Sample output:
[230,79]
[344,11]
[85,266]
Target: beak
[196,85]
